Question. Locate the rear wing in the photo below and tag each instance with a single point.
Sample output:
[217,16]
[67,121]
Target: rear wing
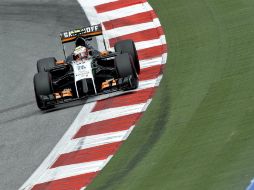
[86,32]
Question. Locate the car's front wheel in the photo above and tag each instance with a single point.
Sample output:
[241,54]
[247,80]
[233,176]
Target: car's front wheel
[42,87]
[46,64]
[128,46]
[125,68]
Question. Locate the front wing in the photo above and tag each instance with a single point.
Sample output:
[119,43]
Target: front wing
[122,87]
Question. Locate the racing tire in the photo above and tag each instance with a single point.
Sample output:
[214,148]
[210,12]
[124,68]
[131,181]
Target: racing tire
[128,46]
[125,68]
[46,64]
[42,87]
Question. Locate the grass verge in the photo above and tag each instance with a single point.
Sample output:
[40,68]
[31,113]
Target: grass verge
[197,133]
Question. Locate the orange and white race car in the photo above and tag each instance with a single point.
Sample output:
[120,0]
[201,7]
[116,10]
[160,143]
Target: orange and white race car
[86,71]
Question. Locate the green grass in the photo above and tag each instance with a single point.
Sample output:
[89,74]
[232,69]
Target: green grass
[198,132]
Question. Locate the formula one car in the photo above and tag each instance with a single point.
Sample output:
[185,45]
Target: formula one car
[86,72]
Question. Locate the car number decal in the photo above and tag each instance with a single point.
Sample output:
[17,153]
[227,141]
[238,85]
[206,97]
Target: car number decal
[82,70]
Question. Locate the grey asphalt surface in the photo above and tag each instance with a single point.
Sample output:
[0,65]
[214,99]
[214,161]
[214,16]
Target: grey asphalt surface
[29,31]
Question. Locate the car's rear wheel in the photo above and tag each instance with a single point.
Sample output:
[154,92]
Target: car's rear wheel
[128,46]
[125,68]
[42,87]
[46,64]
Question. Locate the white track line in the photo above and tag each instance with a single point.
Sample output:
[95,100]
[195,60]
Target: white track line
[93,141]
[149,83]
[151,43]
[125,11]
[95,2]
[121,31]
[154,61]
[113,113]
[72,170]
[148,44]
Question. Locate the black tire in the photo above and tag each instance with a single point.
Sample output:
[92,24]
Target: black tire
[128,46]
[125,68]
[42,86]
[46,64]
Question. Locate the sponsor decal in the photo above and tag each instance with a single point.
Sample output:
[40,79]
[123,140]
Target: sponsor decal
[82,31]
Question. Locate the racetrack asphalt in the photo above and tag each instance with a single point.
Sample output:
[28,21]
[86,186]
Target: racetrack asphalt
[29,31]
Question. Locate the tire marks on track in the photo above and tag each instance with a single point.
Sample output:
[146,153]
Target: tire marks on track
[18,112]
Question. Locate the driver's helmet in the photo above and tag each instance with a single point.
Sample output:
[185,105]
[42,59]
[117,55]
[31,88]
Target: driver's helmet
[80,52]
